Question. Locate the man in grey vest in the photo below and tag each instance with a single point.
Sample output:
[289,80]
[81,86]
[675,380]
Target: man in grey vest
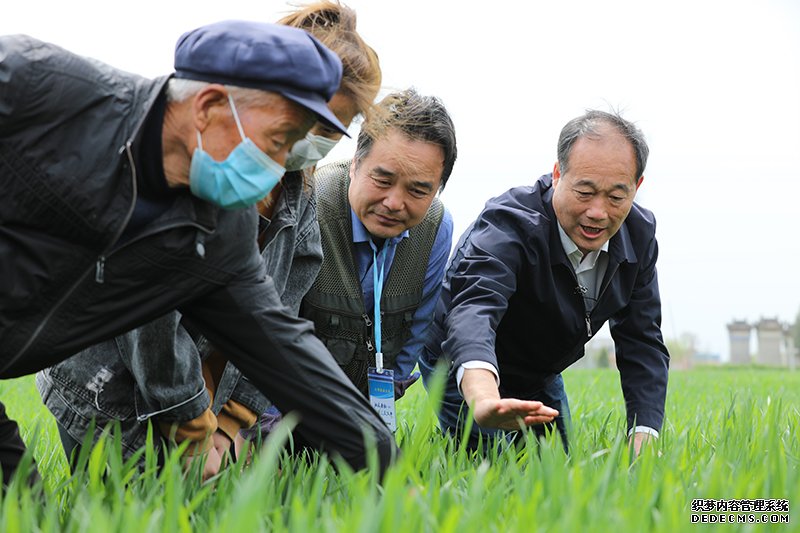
[383,226]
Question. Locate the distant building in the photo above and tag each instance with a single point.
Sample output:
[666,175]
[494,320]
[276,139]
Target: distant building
[775,346]
[771,342]
[739,332]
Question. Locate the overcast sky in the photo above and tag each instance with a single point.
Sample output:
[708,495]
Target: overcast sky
[715,86]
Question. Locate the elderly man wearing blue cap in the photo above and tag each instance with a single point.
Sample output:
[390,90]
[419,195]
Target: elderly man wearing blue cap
[123,198]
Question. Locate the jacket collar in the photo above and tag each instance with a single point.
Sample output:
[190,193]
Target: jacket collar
[145,98]
[287,207]
[620,247]
[185,204]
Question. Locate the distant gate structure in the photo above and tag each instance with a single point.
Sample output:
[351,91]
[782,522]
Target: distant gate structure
[774,341]
[739,332]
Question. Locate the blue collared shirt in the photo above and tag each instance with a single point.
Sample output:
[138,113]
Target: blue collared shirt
[363,253]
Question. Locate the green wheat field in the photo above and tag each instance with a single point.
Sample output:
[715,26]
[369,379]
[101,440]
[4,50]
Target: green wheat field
[730,435]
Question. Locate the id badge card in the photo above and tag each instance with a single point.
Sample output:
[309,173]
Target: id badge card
[381,395]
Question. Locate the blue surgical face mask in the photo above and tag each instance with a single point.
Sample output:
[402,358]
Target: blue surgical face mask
[246,176]
[307,152]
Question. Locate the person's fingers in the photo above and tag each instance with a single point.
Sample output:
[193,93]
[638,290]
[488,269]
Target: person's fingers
[238,444]
[545,411]
[525,408]
[212,464]
[510,413]
[244,449]
[537,419]
[512,406]
[221,442]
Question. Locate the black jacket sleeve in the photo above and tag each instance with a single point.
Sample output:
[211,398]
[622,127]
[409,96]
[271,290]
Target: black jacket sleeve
[280,355]
[642,357]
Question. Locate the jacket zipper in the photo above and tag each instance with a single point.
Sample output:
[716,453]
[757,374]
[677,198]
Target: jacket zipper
[199,243]
[368,323]
[99,265]
[588,315]
[100,270]
[602,291]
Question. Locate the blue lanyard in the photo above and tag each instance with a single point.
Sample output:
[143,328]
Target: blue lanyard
[377,291]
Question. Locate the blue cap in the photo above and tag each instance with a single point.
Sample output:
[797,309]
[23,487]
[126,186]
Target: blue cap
[259,55]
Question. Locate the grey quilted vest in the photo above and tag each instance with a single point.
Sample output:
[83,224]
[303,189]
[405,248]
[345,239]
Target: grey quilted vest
[335,302]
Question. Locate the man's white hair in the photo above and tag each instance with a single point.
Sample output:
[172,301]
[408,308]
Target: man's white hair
[179,90]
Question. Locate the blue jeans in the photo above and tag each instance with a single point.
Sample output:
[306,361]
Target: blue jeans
[454,411]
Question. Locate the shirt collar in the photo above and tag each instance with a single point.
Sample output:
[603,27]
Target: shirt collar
[360,233]
[574,254]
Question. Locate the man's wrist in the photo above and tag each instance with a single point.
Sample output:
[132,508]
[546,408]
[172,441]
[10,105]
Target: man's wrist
[468,365]
[478,385]
[643,429]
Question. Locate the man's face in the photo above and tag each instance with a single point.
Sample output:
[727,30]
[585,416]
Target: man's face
[593,197]
[392,188]
[273,127]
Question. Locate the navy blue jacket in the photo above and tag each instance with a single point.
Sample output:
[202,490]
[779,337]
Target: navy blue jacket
[510,299]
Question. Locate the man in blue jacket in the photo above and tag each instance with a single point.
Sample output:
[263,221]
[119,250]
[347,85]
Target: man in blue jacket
[535,277]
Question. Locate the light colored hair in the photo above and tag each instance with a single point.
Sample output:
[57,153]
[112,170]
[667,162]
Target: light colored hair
[180,90]
[334,25]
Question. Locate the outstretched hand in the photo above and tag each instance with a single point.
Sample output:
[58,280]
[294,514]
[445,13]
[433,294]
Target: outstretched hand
[509,413]
[491,411]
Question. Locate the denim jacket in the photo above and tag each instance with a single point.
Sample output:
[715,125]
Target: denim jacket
[155,370]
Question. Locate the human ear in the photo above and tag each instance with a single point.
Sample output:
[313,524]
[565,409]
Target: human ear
[207,104]
[556,173]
